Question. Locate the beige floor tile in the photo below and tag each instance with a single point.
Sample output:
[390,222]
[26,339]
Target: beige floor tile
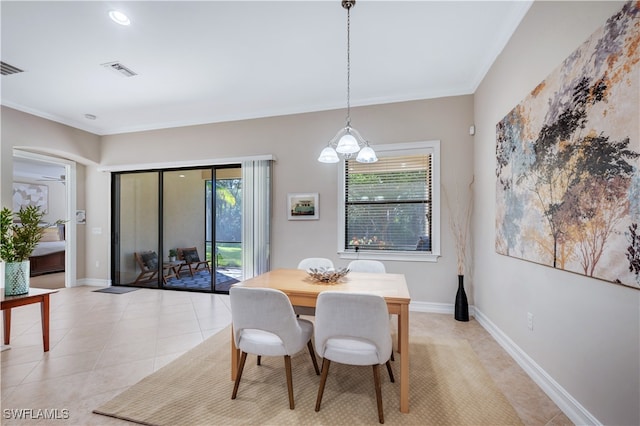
[177,343]
[162,360]
[14,375]
[117,376]
[126,353]
[52,367]
[190,325]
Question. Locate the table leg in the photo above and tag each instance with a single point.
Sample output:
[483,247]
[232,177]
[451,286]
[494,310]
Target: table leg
[45,322]
[403,343]
[7,325]
[235,356]
[399,335]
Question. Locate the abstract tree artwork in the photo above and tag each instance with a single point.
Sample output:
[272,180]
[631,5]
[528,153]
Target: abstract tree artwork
[568,161]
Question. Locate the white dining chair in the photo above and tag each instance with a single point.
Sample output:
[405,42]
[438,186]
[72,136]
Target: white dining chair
[264,324]
[353,328]
[305,265]
[315,262]
[373,266]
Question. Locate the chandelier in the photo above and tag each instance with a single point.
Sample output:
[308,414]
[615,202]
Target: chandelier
[348,142]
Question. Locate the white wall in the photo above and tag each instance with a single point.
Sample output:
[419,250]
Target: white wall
[35,134]
[586,332]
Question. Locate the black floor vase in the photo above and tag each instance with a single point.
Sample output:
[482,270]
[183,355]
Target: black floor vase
[462,306]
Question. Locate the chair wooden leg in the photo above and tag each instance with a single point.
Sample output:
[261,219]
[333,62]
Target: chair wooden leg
[390,372]
[259,359]
[313,357]
[376,381]
[323,380]
[243,358]
[287,367]
[392,358]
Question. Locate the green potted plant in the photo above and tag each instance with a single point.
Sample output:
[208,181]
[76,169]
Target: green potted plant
[173,254]
[17,242]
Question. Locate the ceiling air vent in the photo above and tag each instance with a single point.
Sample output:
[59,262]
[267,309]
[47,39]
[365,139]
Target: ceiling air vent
[119,68]
[6,69]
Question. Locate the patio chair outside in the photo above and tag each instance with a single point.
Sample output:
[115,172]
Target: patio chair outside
[192,261]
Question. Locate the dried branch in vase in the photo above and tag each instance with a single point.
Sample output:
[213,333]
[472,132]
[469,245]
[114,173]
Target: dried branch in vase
[459,221]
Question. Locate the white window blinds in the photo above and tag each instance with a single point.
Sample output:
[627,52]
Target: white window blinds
[388,204]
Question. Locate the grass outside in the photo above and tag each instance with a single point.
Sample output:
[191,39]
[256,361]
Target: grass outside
[228,254]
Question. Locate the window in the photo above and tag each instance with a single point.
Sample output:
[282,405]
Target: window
[391,209]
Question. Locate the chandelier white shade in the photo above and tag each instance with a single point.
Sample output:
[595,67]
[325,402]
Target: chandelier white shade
[348,142]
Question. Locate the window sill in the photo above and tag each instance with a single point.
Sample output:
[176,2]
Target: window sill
[399,256]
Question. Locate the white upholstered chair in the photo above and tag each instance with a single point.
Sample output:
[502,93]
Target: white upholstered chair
[373,266]
[264,324]
[305,265]
[315,262]
[353,328]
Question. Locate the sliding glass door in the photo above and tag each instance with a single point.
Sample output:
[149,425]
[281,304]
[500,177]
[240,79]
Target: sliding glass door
[135,229]
[178,229]
[226,245]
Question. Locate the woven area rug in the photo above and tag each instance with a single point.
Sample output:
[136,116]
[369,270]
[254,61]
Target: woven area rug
[449,386]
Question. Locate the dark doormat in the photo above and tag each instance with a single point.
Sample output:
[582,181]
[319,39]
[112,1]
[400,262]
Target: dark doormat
[116,290]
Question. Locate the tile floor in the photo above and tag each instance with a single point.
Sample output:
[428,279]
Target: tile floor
[103,343]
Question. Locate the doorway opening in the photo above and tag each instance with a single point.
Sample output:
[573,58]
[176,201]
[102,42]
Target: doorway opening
[53,264]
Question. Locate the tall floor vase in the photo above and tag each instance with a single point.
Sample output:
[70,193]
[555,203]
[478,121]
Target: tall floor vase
[462,306]
[16,278]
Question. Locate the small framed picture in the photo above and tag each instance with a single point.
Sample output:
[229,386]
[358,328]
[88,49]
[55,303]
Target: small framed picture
[303,206]
[81,217]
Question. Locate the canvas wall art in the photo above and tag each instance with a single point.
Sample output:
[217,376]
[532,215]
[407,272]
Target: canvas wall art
[568,161]
[29,194]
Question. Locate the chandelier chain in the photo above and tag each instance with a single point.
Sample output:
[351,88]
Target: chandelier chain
[349,66]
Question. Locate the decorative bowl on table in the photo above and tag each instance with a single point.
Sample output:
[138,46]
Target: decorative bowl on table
[327,275]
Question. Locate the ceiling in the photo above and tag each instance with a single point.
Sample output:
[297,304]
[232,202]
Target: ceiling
[213,61]
[27,170]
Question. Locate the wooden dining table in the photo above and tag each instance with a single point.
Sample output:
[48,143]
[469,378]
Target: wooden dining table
[302,290]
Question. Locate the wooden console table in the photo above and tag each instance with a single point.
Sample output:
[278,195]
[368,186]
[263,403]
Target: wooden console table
[35,295]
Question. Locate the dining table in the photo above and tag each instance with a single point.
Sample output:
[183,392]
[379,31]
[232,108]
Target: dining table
[303,290]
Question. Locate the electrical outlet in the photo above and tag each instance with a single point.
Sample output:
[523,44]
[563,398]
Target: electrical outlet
[530,320]
[97,263]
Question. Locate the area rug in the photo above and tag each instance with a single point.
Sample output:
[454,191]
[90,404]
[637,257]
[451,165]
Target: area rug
[201,280]
[116,290]
[449,386]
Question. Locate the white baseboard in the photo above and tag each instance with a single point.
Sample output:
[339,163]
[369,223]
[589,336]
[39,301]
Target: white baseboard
[94,282]
[436,308]
[568,404]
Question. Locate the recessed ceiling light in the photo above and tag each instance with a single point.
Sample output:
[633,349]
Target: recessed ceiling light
[90,116]
[119,17]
